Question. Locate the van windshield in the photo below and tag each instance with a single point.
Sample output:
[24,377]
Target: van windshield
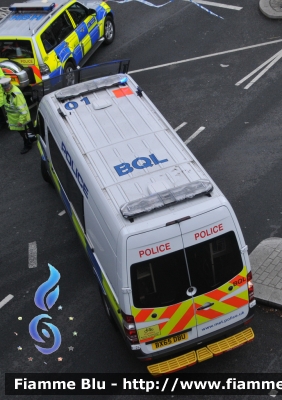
[15,49]
[164,280]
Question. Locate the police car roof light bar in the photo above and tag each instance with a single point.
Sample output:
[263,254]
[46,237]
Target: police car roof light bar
[166,198]
[90,86]
[32,6]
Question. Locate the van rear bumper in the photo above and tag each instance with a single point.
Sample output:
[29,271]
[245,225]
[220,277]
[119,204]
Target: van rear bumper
[196,343]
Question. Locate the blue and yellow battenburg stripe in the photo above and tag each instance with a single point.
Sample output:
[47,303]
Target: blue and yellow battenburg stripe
[94,262]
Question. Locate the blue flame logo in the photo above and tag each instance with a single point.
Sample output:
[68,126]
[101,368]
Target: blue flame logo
[45,299]
[43,289]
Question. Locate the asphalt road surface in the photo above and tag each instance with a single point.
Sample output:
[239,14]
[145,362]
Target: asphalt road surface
[197,60]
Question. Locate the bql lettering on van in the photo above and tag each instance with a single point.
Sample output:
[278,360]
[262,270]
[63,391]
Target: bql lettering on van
[208,232]
[154,250]
[138,163]
[75,170]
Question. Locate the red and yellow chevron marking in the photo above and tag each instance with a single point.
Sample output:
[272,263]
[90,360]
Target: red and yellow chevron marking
[37,73]
[179,317]
[183,315]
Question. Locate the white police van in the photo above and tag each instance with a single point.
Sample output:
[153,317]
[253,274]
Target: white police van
[163,240]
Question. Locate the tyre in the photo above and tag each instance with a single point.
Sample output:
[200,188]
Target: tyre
[45,172]
[109,30]
[106,306]
[69,71]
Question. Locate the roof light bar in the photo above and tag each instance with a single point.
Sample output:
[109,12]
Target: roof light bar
[91,86]
[166,198]
[32,6]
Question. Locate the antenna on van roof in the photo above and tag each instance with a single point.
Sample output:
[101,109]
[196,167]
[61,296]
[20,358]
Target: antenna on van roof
[139,91]
[61,113]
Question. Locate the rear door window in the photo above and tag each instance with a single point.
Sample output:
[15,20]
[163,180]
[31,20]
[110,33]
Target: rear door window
[15,49]
[160,281]
[214,262]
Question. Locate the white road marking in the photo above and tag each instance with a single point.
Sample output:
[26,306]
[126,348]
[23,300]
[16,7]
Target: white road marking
[212,3]
[62,213]
[194,135]
[5,301]
[206,56]
[32,255]
[273,393]
[258,68]
[180,126]
[263,71]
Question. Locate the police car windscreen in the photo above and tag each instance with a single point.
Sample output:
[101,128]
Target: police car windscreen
[14,49]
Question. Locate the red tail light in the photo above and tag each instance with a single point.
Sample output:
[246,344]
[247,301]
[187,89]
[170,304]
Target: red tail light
[250,287]
[130,328]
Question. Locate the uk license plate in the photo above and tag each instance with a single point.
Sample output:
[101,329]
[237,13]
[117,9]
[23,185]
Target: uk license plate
[172,340]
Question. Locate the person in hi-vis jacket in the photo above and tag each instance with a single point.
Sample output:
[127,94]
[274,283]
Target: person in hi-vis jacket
[17,112]
[2,115]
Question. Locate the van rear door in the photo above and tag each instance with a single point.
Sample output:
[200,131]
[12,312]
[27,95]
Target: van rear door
[217,272]
[160,280]
[188,279]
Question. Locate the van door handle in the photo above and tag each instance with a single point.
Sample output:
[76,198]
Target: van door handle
[206,305]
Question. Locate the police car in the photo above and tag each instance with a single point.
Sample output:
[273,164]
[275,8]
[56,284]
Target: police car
[40,40]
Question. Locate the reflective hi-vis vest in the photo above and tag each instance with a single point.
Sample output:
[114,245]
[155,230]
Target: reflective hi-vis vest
[16,109]
[1,89]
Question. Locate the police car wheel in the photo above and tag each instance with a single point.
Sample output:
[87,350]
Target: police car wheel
[45,173]
[69,71]
[109,30]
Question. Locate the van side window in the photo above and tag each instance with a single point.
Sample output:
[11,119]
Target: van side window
[41,125]
[67,179]
[78,13]
[56,32]
[214,262]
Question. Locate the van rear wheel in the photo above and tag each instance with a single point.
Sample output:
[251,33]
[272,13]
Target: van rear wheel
[106,306]
[45,173]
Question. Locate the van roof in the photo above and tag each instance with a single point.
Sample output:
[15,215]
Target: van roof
[130,149]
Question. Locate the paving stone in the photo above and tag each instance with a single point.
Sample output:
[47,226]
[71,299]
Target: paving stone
[274,281]
[276,261]
[270,268]
[273,255]
[279,285]
[268,280]
[263,276]
[266,263]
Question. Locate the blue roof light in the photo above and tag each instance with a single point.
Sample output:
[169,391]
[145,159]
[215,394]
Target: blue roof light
[123,80]
[32,6]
